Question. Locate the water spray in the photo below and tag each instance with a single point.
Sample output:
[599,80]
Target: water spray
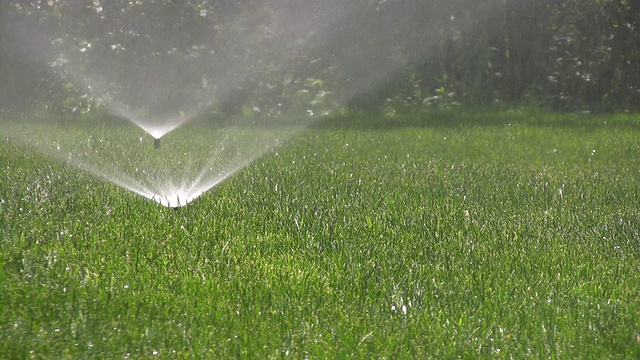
[160,88]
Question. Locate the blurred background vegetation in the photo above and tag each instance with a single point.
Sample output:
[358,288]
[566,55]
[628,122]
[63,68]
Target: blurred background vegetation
[322,57]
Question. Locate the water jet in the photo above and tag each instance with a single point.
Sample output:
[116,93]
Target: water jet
[222,80]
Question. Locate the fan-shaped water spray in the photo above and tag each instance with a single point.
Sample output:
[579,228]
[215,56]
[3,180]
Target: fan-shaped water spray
[158,78]
[225,69]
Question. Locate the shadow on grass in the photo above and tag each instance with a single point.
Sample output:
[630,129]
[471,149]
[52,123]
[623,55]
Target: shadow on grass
[482,118]
[364,121]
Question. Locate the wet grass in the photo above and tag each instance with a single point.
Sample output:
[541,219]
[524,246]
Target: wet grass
[508,240]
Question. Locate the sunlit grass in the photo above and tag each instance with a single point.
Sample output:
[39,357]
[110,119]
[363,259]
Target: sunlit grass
[514,238]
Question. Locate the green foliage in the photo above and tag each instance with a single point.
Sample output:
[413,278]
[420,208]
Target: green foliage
[284,59]
[417,99]
[495,235]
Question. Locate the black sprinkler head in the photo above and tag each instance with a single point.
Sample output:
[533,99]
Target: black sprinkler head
[156,143]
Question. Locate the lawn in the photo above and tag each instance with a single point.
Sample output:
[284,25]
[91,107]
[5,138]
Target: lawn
[505,235]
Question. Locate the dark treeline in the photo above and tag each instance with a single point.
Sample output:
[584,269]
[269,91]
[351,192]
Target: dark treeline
[568,55]
[383,55]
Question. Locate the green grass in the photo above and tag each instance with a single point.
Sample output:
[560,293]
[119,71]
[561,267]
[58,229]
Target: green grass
[516,238]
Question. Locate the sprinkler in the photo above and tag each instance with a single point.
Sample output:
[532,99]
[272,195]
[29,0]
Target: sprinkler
[171,201]
[156,143]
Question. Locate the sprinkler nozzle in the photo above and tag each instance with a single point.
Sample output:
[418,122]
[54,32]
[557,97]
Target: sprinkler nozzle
[156,143]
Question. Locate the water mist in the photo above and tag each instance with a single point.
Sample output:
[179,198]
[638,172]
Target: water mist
[168,100]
